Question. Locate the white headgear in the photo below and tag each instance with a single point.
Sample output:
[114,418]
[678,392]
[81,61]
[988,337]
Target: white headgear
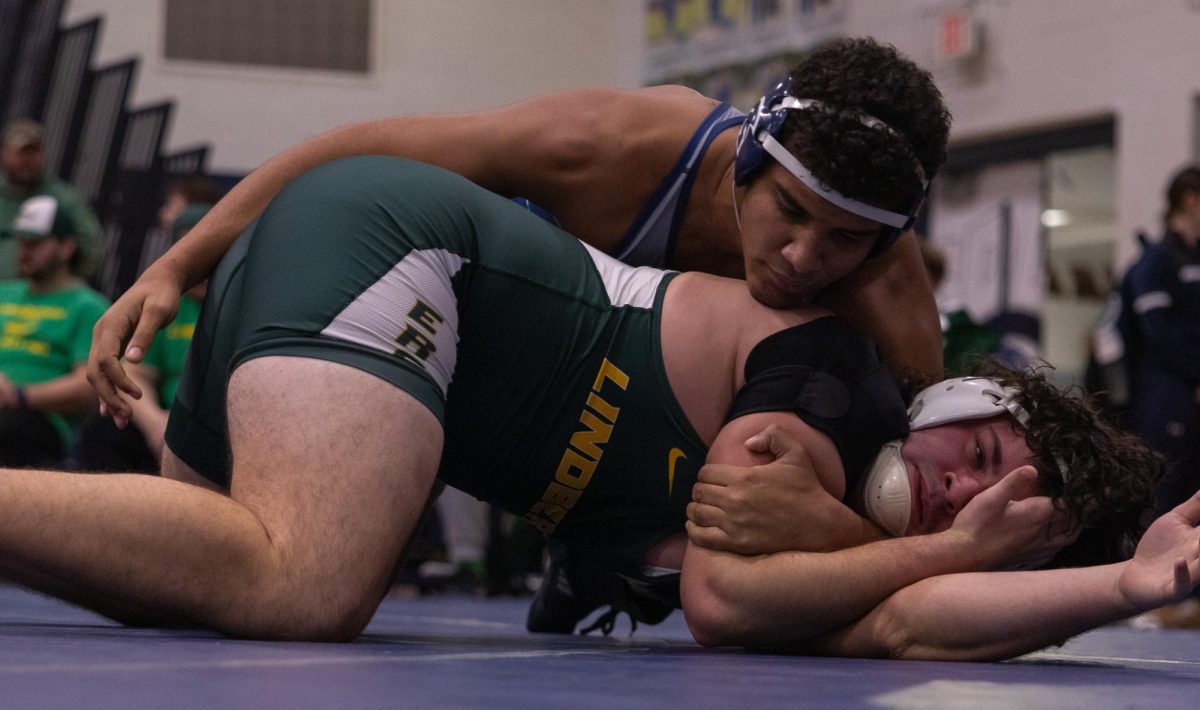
[887,493]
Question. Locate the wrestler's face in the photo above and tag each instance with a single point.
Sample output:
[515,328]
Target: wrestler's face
[948,465]
[794,242]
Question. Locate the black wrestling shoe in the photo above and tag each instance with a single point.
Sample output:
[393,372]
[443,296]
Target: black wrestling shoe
[570,590]
[573,588]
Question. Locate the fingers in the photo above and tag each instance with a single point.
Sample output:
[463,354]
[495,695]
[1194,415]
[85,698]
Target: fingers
[713,495]
[718,474]
[780,444]
[130,323]
[712,538]
[1189,510]
[708,516]
[1183,578]
[1019,484]
[148,324]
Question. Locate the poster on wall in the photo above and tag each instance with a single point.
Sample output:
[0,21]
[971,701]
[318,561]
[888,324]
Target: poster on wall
[988,225]
[733,49]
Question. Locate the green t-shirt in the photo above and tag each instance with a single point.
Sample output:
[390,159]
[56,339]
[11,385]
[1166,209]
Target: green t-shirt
[965,343]
[168,352]
[89,235]
[47,335]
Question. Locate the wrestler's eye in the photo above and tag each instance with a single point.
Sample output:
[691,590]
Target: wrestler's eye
[853,236]
[793,214]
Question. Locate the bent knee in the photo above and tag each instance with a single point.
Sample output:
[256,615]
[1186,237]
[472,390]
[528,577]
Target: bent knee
[298,619]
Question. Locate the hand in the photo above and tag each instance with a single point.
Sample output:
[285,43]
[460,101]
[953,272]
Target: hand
[1010,527]
[773,507]
[1166,566]
[143,310]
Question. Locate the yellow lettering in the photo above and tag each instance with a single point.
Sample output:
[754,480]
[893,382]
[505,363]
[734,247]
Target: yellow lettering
[609,371]
[553,512]
[589,440]
[181,332]
[33,312]
[560,495]
[583,454]
[605,409]
[540,524]
[572,460]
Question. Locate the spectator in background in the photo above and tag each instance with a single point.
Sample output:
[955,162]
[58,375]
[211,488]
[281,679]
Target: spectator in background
[183,193]
[964,342]
[101,446]
[22,175]
[1163,288]
[46,321]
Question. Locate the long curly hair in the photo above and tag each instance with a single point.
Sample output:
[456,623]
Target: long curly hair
[868,164]
[1110,474]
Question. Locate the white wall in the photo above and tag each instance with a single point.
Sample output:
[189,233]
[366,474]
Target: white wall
[432,55]
[1050,62]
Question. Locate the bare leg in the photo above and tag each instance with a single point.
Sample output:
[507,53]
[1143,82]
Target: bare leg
[331,469]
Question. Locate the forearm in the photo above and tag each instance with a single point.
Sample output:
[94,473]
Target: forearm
[147,414]
[789,596]
[983,616]
[151,420]
[63,395]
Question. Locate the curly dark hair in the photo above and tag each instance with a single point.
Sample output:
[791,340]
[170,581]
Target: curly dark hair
[869,164]
[1110,474]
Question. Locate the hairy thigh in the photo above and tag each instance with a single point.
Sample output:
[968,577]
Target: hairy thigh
[337,465]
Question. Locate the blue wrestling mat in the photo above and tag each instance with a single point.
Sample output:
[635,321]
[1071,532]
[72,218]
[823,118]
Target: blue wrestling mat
[457,652]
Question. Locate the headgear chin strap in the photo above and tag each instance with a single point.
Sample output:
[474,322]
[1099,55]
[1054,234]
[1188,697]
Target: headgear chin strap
[887,494]
[758,138]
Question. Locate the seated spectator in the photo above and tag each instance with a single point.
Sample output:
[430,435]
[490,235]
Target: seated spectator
[22,175]
[46,320]
[101,446]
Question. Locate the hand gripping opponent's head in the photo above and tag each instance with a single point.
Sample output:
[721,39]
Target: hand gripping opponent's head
[968,433]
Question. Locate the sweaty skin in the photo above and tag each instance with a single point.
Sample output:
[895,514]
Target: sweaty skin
[592,157]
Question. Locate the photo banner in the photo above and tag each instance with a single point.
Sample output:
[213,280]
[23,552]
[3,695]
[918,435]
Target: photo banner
[690,38]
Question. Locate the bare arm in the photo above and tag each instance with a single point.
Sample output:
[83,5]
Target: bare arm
[567,151]
[993,615]
[790,596]
[890,298]
[62,395]
[767,495]
[148,414]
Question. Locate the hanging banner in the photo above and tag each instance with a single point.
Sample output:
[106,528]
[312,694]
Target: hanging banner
[697,37]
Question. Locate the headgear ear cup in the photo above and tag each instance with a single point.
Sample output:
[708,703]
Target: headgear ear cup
[887,493]
[750,154]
